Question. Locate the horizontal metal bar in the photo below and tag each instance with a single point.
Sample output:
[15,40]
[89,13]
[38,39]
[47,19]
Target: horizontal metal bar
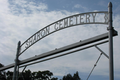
[72,46]
[64,54]
[7,67]
[66,48]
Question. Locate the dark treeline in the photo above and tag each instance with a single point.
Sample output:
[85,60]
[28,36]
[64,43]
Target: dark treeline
[38,75]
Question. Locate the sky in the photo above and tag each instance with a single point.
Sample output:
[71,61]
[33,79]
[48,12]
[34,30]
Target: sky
[19,19]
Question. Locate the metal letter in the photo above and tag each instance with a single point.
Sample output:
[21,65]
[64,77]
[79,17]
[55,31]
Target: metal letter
[87,18]
[55,27]
[81,19]
[93,17]
[31,40]
[60,24]
[38,35]
[66,22]
[70,21]
[76,19]
[27,44]
[42,33]
[47,30]
[34,39]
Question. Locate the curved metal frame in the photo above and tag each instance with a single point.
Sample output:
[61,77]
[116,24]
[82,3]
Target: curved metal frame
[105,17]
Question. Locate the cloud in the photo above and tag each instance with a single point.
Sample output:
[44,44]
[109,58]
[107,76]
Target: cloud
[26,7]
[78,6]
[102,3]
[117,9]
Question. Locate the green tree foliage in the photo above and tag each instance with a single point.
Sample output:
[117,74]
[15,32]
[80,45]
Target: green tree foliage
[2,73]
[27,75]
[70,77]
[9,75]
[76,76]
[42,75]
[67,77]
[39,75]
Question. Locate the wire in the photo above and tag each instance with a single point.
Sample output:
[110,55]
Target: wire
[94,66]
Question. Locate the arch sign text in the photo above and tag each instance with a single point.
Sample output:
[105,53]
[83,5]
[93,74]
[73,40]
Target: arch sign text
[74,20]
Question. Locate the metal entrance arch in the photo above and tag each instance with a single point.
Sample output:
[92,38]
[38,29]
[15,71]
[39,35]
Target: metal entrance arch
[74,20]
[78,19]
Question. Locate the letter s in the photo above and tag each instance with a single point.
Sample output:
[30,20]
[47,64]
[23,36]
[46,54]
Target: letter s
[27,44]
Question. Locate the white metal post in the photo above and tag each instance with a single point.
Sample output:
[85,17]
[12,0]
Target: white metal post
[110,28]
[16,62]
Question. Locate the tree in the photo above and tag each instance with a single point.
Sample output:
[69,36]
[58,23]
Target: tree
[67,77]
[76,76]
[40,75]
[27,75]
[2,73]
[47,74]
[34,74]
[9,75]
[70,77]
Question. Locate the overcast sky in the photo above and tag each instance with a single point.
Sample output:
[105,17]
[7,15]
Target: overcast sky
[19,19]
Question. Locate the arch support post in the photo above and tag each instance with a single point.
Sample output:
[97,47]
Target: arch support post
[110,29]
[16,67]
